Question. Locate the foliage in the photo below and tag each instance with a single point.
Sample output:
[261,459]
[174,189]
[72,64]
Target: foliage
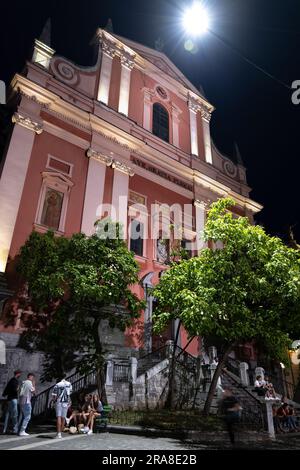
[74,283]
[248,289]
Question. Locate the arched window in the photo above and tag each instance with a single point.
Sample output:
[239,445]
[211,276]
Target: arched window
[160,123]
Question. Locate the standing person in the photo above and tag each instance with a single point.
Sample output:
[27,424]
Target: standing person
[11,392]
[62,396]
[27,389]
[231,410]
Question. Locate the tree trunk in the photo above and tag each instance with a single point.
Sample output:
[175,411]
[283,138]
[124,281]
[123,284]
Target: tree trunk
[100,377]
[170,397]
[214,381]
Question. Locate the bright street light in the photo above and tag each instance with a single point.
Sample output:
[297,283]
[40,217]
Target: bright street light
[196,20]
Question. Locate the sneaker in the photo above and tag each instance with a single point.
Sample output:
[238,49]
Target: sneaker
[86,429]
[90,432]
[23,433]
[58,435]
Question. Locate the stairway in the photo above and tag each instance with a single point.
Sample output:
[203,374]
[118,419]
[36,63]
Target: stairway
[253,412]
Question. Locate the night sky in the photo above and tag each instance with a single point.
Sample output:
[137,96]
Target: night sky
[252,109]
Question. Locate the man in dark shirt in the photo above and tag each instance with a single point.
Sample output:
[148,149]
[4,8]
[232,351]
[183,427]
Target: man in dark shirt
[11,392]
[231,411]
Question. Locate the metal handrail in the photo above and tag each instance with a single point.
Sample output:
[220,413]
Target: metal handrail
[41,402]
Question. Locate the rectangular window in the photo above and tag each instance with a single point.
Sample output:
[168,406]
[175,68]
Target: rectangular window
[59,165]
[136,237]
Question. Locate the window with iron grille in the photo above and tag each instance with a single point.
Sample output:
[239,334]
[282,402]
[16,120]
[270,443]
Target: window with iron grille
[136,238]
[160,124]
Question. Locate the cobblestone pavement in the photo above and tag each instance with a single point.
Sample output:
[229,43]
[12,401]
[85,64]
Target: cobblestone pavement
[112,441]
[103,441]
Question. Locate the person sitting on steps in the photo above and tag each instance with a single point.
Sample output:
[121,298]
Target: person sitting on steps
[259,386]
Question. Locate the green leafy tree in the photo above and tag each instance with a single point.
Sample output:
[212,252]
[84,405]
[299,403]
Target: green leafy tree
[249,289]
[74,283]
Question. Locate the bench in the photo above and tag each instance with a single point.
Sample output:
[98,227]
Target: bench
[100,423]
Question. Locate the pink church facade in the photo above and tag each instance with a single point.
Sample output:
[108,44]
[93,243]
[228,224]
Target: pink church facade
[132,128]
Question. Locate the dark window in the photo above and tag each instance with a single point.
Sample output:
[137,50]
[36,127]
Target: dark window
[185,247]
[136,238]
[160,125]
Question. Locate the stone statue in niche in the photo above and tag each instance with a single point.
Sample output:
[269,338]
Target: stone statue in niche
[52,209]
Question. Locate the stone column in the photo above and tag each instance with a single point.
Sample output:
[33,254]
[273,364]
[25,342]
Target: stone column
[270,420]
[193,108]
[259,371]
[200,223]
[109,370]
[94,189]
[147,284]
[122,173]
[108,53]
[126,66]
[169,349]
[175,125]
[147,110]
[13,178]
[206,115]
[244,373]
[133,369]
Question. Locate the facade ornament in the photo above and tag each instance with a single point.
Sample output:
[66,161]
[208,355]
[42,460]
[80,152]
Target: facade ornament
[122,167]
[202,204]
[100,157]
[229,168]
[193,105]
[127,61]
[27,122]
[108,48]
[205,113]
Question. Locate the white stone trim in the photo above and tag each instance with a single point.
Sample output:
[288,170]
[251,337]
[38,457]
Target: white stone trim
[105,73]
[126,67]
[193,131]
[11,186]
[94,189]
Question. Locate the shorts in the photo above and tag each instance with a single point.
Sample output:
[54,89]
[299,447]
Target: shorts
[61,410]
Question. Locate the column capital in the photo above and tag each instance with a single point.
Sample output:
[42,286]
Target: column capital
[205,113]
[123,168]
[127,61]
[27,122]
[100,157]
[108,48]
[193,105]
[201,204]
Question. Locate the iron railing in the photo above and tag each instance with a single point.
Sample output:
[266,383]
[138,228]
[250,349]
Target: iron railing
[121,372]
[41,402]
[253,411]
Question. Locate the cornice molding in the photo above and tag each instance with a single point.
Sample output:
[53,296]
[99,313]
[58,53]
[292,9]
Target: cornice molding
[120,166]
[100,157]
[28,123]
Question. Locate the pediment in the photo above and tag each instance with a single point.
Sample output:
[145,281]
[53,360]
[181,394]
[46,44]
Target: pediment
[161,61]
